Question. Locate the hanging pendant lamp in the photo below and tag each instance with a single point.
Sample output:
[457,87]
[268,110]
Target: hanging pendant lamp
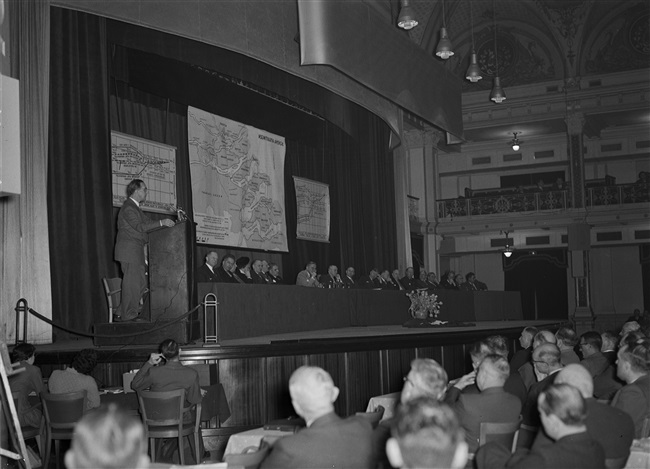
[473,71]
[497,94]
[445,48]
[406,19]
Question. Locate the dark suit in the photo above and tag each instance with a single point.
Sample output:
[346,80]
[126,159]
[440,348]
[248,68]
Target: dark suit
[396,284]
[132,228]
[577,451]
[258,279]
[490,405]
[530,414]
[205,274]
[604,375]
[409,283]
[609,426]
[433,285]
[519,358]
[275,280]
[330,282]
[367,282]
[348,282]
[635,400]
[328,442]
[225,277]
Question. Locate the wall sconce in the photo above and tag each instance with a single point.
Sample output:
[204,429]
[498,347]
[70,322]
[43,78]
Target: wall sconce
[508,250]
[515,142]
[406,19]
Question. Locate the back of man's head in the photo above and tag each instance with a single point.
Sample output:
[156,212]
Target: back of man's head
[543,337]
[426,434]
[549,354]
[426,378]
[85,361]
[565,402]
[22,352]
[577,376]
[594,342]
[492,372]
[170,349]
[498,345]
[610,341]
[312,392]
[567,337]
[108,438]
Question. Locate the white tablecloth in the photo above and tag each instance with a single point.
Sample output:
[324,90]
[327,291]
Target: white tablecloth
[388,401]
[238,442]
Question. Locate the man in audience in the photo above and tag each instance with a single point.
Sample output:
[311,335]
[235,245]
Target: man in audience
[29,381]
[563,413]
[257,275]
[492,404]
[332,279]
[370,281]
[307,277]
[206,273]
[610,344]
[224,273]
[348,280]
[432,281]
[274,274]
[328,440]
[77,377]
[387,281]
[530,374]
[604,374]
[243,271]
[523,356]
[408,281]
[609,426]
[566,338]
[108,438]
[628,327]
[395,280]
[265,271]
[633,367]
[426,434]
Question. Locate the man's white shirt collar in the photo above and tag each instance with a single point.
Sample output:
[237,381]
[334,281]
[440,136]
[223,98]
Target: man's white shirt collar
[135,201]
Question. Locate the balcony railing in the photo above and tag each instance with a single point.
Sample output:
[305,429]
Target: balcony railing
[541,201]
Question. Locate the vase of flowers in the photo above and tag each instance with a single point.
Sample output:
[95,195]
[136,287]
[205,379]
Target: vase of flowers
[424,305]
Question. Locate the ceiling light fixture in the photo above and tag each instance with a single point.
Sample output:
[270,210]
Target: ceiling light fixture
[406,19]
[497,95]
[508,250]
[515,142]
[473,71]
[444,49]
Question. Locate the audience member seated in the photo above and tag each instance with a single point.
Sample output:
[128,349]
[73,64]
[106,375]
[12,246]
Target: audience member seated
[566,339]
[635,317]
[206,273]
[603,373]
[633,366]
[563,413]
[77,377]
[448,281]
[370,281]
[609,347]
[523,356]
[432,281]
[307,277]
[224,272]
[426,434]
[274,274]
[257,272]
[265,271]
[409,281]
[25,383]
[243,271]
[471,284]
[332,279]
[421,281]
[348,279]
[530,374]
[108,438]
[628,327]
[328,440]
[395,280]
[459,280]
[609,426]
[492,404]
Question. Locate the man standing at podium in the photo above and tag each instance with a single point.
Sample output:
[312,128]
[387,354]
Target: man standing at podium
[132,236]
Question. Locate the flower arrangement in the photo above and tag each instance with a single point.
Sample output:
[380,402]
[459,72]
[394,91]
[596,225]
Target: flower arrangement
[424,305]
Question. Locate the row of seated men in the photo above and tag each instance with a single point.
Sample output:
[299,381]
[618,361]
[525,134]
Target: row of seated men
[437,423]
[259,271]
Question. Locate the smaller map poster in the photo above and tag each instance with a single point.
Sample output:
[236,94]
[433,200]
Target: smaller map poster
[313,210]
[153,162]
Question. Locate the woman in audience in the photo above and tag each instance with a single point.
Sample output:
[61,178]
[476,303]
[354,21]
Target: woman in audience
[76,378]
[25,383]
[633,365]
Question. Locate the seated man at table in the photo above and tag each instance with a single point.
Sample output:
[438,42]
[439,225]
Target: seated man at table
[328,440]
[108,438]
[426,434]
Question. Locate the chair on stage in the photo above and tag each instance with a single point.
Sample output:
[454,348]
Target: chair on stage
[504,433]
[61,412]
[373,417]
[113,291]
[162,415]
[250,458]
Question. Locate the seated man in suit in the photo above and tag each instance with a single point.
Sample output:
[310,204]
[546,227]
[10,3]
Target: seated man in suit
[523,356]
[603,373]
[332,279]
[370,281]
[633,367]
[307,277]
[224,273]
[408,281]
[348,280]
[274,274]
[108,438]
[566,339]
[492,404]
[426,434]
[257,272]
[609,426]
[563,413]
[328,440]
[609,346]
[206,273]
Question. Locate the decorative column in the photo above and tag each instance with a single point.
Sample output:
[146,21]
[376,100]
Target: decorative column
[575,123]
[431,239]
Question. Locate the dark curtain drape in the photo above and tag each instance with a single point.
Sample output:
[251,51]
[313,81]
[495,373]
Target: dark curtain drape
[79,170]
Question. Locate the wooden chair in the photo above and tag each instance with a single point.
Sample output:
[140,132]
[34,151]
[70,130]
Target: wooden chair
[250,458]
[61,412]
[616,463]
[162,415]
[113,291]
[504,433]
[373,417]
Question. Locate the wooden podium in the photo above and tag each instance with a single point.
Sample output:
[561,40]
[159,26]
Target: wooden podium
[171,281]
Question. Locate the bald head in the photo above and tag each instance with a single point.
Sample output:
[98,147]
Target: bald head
[312,392]
[492,372]
[547,358]
[543,337]
[577,376]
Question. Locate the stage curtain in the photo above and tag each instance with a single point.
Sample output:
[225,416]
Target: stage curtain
[79,175]
[24,257]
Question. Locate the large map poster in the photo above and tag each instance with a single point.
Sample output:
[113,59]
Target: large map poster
[313,210]
[153,162]
[237,176]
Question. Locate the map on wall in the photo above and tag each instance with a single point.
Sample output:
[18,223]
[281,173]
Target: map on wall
[313,210]
[153,162]
[237,176]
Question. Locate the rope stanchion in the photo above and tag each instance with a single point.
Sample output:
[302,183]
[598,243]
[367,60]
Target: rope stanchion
[104,336]
[21,307]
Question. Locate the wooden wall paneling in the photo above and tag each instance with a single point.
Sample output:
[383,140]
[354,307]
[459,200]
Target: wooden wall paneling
[278,372]
[398,365]
[334,364]
[363,378]
[435,352]
[243,382]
